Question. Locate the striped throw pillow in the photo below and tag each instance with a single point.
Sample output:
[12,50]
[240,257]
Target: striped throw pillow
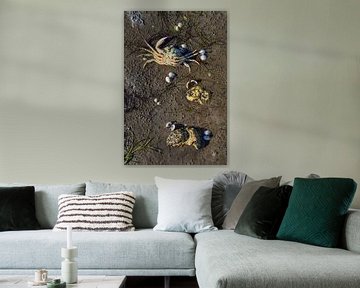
[105,212]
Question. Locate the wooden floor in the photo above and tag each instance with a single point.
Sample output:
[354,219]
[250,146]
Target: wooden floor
[158,282]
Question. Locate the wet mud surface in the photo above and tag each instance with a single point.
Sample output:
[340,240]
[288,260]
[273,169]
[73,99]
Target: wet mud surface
[151,102]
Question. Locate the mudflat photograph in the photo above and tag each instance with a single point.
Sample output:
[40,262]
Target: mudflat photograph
[175,88]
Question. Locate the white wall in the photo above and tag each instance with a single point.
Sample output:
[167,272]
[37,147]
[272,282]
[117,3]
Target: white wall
[294,89]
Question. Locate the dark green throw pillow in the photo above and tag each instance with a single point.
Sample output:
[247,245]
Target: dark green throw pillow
[316,211]
[17,208]
[263,214]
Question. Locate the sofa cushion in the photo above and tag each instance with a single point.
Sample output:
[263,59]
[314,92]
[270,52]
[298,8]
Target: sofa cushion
[46,200]
[317,209]
[17,208]
[226,187]
[184,205]
[137,250]
[105,212]
[263,214]
[146,205]
[225,259]
[350,239]
[243,198]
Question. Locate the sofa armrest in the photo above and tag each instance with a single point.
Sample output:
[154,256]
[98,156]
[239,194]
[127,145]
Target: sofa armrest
[351,234]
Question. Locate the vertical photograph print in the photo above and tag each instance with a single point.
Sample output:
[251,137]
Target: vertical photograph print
[175,88]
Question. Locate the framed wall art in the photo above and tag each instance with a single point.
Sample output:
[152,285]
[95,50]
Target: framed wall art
[175,88]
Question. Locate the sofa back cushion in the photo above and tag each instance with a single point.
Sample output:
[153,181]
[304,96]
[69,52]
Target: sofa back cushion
[46,200]
[146,204]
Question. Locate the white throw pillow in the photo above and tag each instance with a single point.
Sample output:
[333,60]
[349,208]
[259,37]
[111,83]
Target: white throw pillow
[184,205]
[104,212]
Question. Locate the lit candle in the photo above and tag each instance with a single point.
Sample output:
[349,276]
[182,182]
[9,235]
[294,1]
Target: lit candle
[69,237]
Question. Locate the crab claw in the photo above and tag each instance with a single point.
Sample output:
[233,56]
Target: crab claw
[159,43]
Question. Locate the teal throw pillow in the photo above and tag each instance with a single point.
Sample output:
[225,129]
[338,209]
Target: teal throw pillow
[316,211]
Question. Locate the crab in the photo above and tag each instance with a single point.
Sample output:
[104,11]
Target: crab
[172,55]
[196,93]
[185,136]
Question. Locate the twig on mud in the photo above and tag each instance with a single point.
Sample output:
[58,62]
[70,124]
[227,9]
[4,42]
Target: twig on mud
[136,147]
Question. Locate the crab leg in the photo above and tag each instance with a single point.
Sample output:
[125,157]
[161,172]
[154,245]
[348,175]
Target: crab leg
[188,66]
[147,50]
[193,60]
[151,48]
[191,54]
[148,61]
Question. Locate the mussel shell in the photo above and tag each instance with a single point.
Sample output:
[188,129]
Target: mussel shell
[203,57]
[172,75]
[207,132]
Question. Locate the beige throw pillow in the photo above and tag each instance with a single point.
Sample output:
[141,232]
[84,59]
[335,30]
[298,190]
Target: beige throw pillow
[243,198]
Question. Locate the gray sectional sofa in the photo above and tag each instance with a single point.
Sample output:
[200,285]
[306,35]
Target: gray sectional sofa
[219,259]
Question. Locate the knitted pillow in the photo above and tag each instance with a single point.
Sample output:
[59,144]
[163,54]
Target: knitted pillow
[105,212]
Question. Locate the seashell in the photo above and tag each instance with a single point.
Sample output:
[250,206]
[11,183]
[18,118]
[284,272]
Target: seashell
[191,83]
[172,75]
[168,124]
[183,46]
[155,100]
[207,132]
[203,57]
[168,79]
[172,127]
[202,52]
[176,28]
[180,25]
[158,103]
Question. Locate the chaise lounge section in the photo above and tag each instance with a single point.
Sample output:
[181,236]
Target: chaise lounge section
[225,259]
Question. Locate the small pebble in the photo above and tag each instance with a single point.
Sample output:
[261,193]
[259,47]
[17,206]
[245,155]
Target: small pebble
[206,138]
[176,28]
[172,75]
[168,79]
[203,57]
[207,132]
[183,46]
[155,100]
[168,124]
[180,25]
[202,51]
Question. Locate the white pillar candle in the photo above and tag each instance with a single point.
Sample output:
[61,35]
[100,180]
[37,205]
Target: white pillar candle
[69,237]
